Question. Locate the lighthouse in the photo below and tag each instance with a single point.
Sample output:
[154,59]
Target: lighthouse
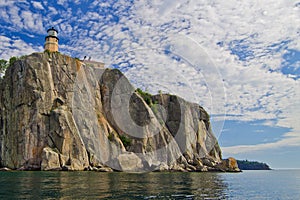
[51,40]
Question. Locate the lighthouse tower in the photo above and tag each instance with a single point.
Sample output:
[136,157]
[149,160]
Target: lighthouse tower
[51,40]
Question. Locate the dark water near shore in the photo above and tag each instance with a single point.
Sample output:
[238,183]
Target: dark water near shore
[275,184]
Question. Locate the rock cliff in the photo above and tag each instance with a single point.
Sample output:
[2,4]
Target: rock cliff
[56,113]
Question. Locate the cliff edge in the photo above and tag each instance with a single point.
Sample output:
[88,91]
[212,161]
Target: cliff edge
[56,113]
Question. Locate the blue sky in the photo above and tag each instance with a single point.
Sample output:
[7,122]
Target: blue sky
[240,60]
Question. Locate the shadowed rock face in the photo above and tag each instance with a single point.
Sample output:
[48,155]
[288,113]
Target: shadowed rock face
[58,114]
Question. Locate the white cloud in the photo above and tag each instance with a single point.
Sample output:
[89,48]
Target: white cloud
[62,2]
[6,3]
[14,16]
[15,47]
[52,11]
[18,18]
[263,31]
[32,21]
[241,149]
[37,5]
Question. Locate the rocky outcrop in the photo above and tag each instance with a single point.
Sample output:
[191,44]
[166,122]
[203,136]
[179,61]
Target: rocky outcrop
[128,162]
[50,160]
[58,114]
[229,165]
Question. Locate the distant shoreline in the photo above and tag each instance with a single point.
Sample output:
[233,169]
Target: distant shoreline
[252,165]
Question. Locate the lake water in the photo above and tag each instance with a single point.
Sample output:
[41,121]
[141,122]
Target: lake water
[275,184]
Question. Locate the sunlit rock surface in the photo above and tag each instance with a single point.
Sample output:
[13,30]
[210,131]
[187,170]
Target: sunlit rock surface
[56,113]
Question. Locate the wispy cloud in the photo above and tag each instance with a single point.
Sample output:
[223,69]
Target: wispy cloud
[247,46]
[284,143]
[15,47]
[37,5]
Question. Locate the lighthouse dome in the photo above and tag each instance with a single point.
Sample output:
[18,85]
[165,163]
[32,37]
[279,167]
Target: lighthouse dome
[52,32]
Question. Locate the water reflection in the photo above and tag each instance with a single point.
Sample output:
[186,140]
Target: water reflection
[92,185]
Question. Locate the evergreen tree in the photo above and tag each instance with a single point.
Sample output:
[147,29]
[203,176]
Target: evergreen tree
[3,66]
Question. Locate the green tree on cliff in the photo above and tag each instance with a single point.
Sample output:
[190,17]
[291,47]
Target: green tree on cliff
[3,66]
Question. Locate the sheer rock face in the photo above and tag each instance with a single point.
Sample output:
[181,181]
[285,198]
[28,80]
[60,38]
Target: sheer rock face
[58,114]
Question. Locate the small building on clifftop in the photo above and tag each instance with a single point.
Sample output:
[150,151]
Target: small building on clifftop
[51,40]
[51,45]
[94,63]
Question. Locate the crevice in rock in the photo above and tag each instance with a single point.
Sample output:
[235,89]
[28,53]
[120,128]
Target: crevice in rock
[89,157]
[53,142]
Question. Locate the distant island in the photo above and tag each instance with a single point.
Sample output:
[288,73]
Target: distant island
[252,165]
